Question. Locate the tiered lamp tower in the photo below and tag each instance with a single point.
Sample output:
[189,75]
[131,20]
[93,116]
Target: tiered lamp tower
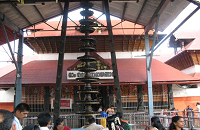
[87,27]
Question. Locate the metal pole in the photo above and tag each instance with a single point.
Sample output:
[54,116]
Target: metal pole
[154,40]
[60,64]
[113,58]
[166,37]
[7,40]
[149,78]
[18,85]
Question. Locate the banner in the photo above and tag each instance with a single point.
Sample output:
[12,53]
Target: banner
[64,103]
[101,74]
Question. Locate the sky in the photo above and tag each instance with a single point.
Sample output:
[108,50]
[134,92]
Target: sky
[75,15]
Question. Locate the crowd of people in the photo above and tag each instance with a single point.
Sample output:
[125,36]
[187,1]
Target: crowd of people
[10,120]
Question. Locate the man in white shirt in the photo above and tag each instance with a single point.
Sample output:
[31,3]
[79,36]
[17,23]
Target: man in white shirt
[93,125]
[6,120]
[20,112]
[44,120]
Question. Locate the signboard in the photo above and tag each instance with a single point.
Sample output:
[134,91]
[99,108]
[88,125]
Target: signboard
[101,74]
[64,103]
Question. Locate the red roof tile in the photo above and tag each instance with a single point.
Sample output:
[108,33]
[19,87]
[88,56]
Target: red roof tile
[43,72]
[10,34]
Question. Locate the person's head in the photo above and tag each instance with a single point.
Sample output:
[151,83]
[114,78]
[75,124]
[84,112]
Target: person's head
[21,110]
[31,127]
[155,122]
[177,123]
[173,108]
[91,119]
[188,106]
[119,114]
[6,120]
[112,107]
[59,121]
[44,119]
[197,103]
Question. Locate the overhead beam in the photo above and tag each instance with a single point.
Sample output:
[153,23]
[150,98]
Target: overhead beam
[21,14]
[38,12]
[61,8]
[38,45]
[124,10]
[196,2]
[138,17]
[163,4]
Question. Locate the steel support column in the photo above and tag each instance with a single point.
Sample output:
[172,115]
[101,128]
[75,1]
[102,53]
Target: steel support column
[113,58]
[149,78]
[60,64]
[18,82]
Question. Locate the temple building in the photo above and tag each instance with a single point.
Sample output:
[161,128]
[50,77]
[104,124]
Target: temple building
[39,75]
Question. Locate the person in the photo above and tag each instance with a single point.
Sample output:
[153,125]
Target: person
[20,112]
[177,123]
[103,113]
[93,125]
[124,123]
[110,111]
[198,109]
[156,124]
[189,111]
[100,108]
[31,127]
[59,125]
[165,120]
[44,120]
[6,120]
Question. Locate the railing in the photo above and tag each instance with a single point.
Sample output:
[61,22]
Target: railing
[137,120]
[128,102]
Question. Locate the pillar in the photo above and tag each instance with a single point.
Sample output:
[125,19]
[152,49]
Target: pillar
[170,97]
[140,106]
[111,98]
[104,95]
[46,99]
[75,106]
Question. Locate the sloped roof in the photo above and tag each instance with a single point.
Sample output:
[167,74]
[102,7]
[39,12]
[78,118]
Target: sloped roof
[143,12]
[43,72]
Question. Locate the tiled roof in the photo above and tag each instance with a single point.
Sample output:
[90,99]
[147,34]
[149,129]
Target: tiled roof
[43,72]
